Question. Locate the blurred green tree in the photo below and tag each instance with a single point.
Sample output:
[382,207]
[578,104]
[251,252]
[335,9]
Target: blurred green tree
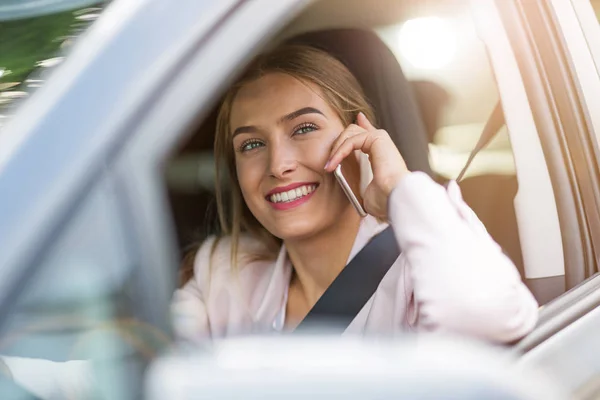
[24,43]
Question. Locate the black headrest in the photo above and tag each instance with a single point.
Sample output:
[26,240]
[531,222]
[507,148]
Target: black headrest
[387,89]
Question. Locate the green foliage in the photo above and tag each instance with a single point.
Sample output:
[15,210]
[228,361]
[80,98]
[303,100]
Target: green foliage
[23,43]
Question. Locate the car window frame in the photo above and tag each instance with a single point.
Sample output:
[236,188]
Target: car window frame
[50,208]
[568,356]
[589,26]
[581,31]
[182,104]
[535,200]
[557,135]
[562,114]
[561,111]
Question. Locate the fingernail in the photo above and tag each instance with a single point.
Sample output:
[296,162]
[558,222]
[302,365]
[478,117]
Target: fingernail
[327,164]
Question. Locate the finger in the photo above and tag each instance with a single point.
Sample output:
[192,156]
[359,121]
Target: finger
[362,141]
[350,131]
[364,122]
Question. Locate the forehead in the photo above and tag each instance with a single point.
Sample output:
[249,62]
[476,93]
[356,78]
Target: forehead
[272,96]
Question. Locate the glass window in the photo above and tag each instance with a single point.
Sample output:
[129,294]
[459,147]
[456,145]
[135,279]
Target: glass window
[439,49]
[441,54]
[76,326]
[34,39]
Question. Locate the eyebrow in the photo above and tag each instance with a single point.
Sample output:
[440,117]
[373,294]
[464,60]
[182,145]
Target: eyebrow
[302,111]
[288,117]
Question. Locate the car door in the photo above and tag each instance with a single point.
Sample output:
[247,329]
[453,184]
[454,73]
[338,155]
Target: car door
[549,59]
[87,268]
[553,227]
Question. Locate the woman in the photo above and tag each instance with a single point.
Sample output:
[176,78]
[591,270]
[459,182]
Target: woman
[282,129]
[289,230]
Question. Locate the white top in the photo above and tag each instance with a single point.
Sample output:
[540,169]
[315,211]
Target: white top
[451,276]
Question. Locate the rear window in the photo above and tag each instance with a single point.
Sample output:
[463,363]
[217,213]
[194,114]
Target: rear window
[35,37]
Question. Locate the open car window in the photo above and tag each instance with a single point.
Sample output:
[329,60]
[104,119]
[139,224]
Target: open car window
[35,37]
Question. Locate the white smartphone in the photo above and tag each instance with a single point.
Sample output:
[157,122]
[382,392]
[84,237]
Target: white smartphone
[349,193]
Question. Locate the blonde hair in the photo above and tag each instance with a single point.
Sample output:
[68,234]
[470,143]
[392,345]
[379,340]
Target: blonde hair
[338,87]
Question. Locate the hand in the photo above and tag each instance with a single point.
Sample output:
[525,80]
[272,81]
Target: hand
[387,163]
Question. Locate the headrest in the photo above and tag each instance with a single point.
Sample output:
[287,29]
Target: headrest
[387,89]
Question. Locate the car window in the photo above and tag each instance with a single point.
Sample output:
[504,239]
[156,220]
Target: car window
[441,54]
[447,64]
[76,320]
[439,50]
[35,38]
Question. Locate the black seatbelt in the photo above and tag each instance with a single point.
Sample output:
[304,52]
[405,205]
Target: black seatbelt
[492,127]
[354,286]
[357,282]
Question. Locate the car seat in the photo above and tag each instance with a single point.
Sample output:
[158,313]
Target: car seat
[377,70]
[490,195]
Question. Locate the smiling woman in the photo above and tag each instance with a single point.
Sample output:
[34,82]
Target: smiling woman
[288,229]
[323,102]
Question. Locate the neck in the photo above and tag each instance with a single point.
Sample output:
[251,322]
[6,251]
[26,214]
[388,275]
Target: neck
[318,260]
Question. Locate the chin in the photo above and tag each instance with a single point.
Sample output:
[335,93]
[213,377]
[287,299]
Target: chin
[307,222]
[297,231]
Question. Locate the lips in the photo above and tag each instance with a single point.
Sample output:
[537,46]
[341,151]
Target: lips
[290,196]
[282,189]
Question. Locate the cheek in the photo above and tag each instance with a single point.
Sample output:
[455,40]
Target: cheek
[249,177]
[319,150]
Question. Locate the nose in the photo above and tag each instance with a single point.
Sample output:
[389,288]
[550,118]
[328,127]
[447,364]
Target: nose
[282,159]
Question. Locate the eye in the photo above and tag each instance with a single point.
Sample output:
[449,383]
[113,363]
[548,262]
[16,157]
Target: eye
[249,145]
[305,128]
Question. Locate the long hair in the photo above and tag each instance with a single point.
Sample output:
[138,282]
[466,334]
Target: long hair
[338,87]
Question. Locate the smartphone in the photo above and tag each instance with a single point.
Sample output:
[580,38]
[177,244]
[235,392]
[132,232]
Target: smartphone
[349,193]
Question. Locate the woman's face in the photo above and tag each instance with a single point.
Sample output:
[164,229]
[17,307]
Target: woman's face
[283,133]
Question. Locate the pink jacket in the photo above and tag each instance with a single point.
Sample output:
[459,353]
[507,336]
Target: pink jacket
[450,277]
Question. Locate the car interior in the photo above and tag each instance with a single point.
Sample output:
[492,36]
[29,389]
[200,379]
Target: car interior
[433,102]
[428,76]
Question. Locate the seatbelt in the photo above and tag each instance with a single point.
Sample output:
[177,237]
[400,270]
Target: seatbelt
[354,286]
[359,280]
[491,128]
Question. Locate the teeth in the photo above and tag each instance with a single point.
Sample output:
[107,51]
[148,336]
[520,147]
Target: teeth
[293,194]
